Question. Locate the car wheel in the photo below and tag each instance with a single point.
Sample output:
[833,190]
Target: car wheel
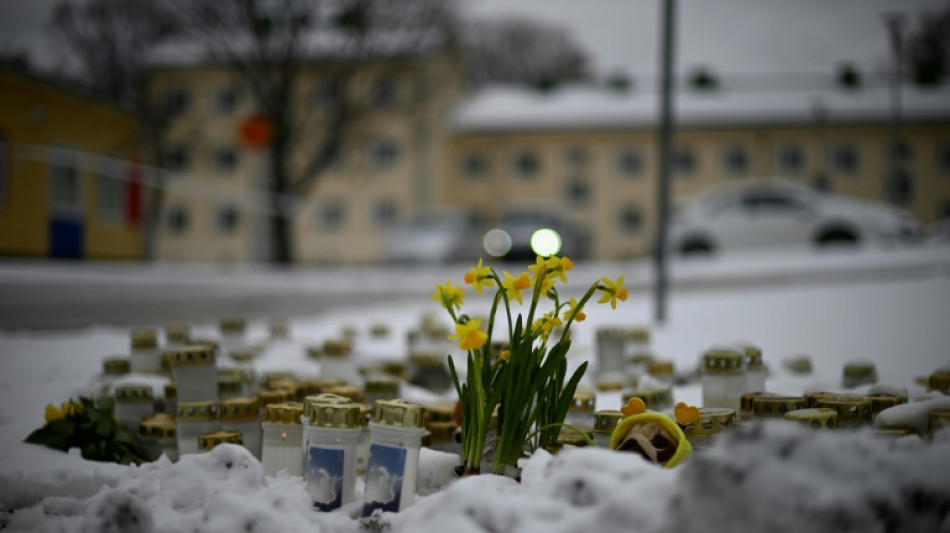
[837,237]
[696,248]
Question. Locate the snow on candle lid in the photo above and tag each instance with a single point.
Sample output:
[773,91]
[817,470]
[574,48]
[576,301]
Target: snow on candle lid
[722,361]
[335,415]
[177,333]
[232,325]
[284,413]
[240,409]
[116,365]
[196,411]
[207,441]
[399,413]
[753,357]
[144,338]
[940,381]
[851,409]
[133,393]
[815,417]
[605,421]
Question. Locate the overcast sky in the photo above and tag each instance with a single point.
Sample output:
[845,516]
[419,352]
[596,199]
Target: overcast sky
[730,35]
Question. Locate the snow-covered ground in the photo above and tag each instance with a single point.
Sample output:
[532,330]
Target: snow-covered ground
[890,308]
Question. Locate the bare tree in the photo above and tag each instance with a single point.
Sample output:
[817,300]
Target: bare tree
[110,42]
[521,51]
[928,49]
[270,44]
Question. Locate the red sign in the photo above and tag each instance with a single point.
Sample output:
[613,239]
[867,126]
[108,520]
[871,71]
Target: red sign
[256,131]
[133,195]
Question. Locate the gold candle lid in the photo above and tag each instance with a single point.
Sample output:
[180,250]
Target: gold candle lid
[881,402]
[243,355]
[745,401]
[605,421]
[852,410]
[196,411]
[938,419]
[279,328]
[133,393]
[366,414]
[814,417]
[442,431]
[609,384]
[336,348]
[335,415]
[194,355]
[116,366]
[399,413]
[813,397]
[712,421]
[268,397]
[244,409]
[440,412]
[284,413]
[144,338]
[641,335]
[777,406]
[314,351]
[641,358]
[177,333]
[382,385]
[427,359]
[583,402]
[157,427]
[208,441]
[859,369]
[171,390]
[716,362]
[612,333]
[663,368]
[319,399]
[232,325]
[379,330]
[209,343]
[799,364]
[168,359]
[753,357]
[355,394]
[653,398]
[939,381]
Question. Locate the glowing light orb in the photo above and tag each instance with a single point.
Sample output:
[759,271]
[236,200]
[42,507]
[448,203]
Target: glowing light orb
[545,242]
[497,242]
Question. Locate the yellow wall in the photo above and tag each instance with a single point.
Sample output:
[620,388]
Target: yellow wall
[34,115]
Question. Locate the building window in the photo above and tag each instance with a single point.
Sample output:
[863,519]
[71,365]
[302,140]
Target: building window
[630,219]
[225,99]
[227,218]
[384,213]
[735,160]
[334,155]
[382,92]
[383,154]
[176,158]
[175,101]
[331,215]
[110,192]
[577,156]
[899,187]
[844,158]
[790,159]
[577,192]
[899,150]
[629,162]
[66,187]
[821,183]
[474,165]
[224,158]
[327,93]
[943,210]
[4,169]
[684,162]
[943,157]
[177,219]
[526,164]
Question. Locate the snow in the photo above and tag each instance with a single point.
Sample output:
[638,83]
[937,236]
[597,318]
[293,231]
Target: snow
[503,108]
[889,308]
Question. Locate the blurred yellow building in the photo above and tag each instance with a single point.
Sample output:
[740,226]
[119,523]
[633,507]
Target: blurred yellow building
[70,185]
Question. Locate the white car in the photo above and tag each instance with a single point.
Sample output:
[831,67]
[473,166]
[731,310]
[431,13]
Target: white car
[435,237]
[777,212]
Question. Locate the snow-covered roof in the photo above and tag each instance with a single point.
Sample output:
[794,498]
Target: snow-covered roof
[588,107]
[320,45]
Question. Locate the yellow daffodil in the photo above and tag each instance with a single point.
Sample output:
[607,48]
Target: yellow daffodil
[479,276]
[558,267]
[578,313]
[53,413]
[540,268]
[513,286]
[634,406]
[469,335]
[449,293]
[544,325]
[66,409]
[505,355]
[612,291]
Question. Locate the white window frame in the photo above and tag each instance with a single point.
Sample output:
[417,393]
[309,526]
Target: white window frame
[65,158]
[109,174]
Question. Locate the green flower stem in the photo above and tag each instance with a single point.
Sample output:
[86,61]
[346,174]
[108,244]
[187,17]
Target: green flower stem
[583,433]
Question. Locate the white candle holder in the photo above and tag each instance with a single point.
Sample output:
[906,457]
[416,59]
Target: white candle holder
[724,379]
[333,434]
[282,439]
[243,415]
[133,402]
[145,357]
[196,376]
[393,467]
[193,419]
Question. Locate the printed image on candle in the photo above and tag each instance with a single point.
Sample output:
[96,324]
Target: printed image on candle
[384,475]
[324,475]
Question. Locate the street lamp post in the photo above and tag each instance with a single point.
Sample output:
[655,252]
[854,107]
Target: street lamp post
[665,159]
[895,21]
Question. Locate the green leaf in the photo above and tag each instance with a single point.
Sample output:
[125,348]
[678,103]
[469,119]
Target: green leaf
[105,405]
[104,427]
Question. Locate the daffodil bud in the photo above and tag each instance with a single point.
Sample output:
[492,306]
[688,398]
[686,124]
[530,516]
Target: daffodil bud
[463,319]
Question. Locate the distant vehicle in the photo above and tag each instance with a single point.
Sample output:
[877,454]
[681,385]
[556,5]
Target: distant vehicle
[777,212]
[435,237]
[940,232]
[523,224]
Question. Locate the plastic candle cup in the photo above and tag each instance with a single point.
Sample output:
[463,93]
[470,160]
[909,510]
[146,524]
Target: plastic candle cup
[283,438]
[191,420]
[333,431]
[391,473]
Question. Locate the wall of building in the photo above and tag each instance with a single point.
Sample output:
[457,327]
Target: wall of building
[44,125]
